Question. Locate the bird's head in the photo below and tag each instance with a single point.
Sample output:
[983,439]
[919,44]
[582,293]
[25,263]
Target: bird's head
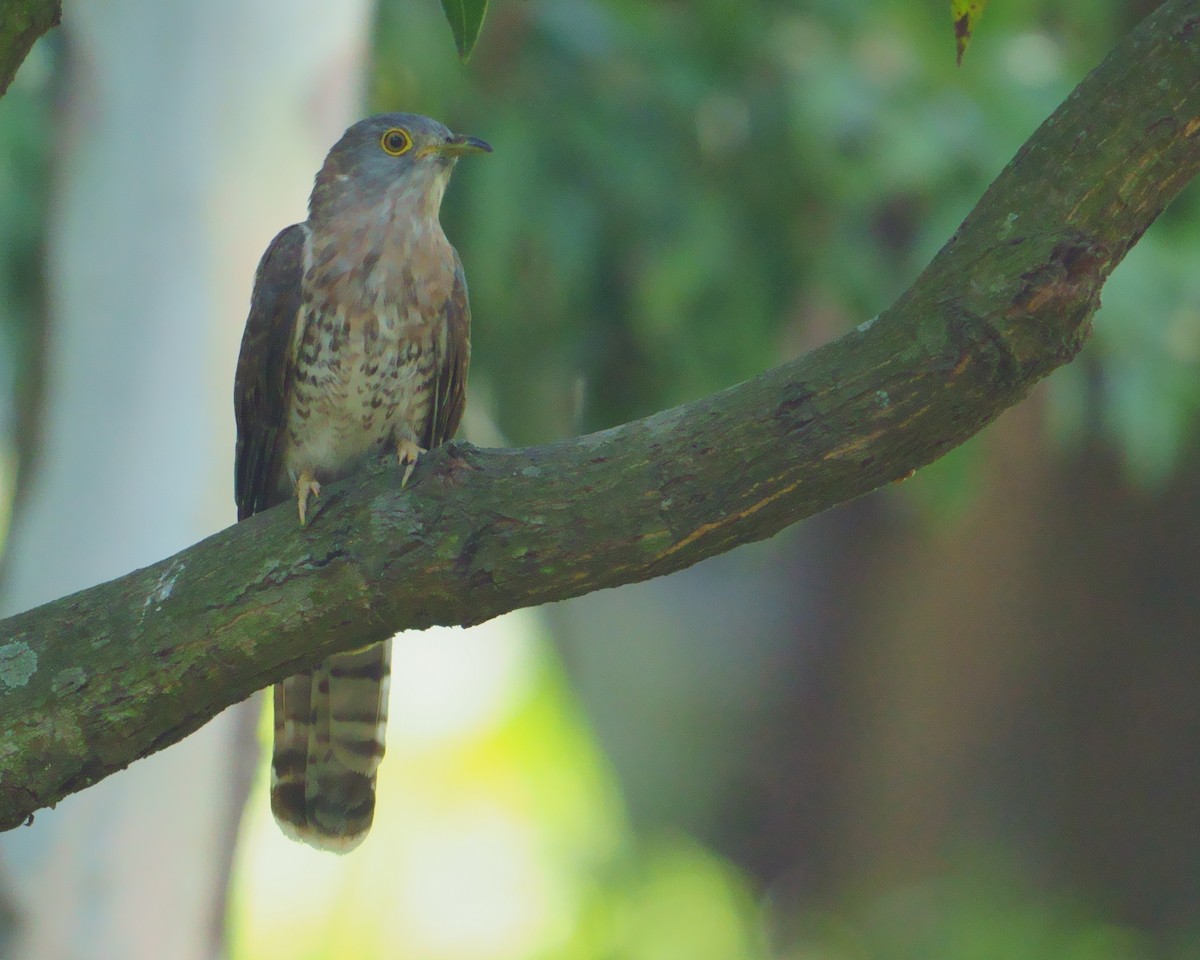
[390,159]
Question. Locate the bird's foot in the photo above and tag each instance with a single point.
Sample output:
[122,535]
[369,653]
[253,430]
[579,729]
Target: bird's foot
[407,453]
[306,487]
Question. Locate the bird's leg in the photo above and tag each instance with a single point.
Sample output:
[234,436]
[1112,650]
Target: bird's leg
[407,453]
[306,486]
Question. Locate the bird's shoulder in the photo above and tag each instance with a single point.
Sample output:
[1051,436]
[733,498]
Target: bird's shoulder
[275,301]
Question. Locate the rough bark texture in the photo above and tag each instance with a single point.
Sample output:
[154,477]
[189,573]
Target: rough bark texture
[94,681]
[22,22]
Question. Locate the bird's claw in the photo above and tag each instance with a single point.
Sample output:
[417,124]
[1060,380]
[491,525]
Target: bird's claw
[307,486]
[407,453]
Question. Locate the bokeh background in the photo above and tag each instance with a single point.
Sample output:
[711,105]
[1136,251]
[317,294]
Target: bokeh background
[957,719]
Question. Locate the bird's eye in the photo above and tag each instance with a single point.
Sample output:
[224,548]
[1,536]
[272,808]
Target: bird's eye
[396,141]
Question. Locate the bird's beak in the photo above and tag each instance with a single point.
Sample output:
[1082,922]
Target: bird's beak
[456,145]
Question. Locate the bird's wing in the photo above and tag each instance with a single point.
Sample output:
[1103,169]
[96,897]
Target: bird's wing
[264,372]
[450,389]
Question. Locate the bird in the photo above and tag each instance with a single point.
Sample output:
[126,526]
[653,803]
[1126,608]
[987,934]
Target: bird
[357,344]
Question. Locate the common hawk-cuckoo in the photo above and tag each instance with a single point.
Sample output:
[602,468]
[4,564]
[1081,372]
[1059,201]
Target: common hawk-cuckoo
[357,343]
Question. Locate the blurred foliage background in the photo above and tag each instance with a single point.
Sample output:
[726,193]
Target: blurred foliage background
[685,194]
[957,719]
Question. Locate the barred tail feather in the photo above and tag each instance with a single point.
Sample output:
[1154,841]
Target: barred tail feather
[329,736]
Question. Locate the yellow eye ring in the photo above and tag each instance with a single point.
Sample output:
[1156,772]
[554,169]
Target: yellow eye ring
[395,141]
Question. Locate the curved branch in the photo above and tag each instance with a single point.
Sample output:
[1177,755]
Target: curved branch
[21,23]
[91,682]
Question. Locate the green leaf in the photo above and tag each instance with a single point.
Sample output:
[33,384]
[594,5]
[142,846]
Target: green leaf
[465,18]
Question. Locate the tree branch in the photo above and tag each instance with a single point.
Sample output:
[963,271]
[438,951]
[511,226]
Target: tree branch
[22,22]
[96,680]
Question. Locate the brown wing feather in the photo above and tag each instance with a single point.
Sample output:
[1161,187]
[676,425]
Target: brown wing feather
[450,390]
[264,372]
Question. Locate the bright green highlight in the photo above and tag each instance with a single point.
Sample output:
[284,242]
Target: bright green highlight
[499,834]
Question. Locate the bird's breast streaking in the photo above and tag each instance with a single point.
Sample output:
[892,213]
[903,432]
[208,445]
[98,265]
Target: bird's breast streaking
[371,333]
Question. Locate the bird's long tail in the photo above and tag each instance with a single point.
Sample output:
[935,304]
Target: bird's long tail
[329,735]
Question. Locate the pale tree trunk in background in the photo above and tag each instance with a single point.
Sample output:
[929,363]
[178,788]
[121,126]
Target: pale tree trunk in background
[190,135]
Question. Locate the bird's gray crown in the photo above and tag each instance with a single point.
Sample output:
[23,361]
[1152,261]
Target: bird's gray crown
[377,154]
